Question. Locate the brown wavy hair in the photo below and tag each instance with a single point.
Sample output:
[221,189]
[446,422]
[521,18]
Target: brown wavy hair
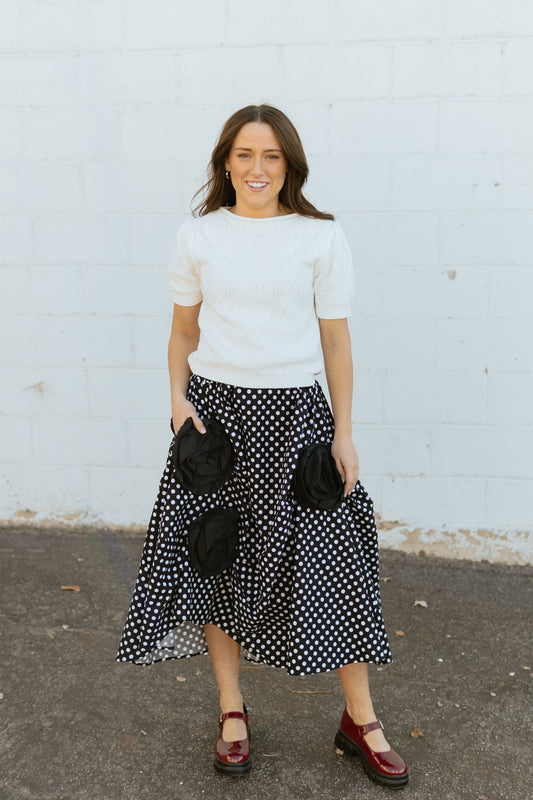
[218,191]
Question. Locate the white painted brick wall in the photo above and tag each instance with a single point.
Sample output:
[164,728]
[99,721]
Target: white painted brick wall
[452,69]
[480,19]
[445,500]
[16,238]
[48,80]
[10,139]
[487,238]
[43,392]
[123,493]
[72,134]
[486,126]
[409,395]
[384,127]
[518,68]
[207,77]
[145,396]
[506,394]
[518,182]
[30,188]
[121,78]
[44,491]
[393,239]
[416,117]
[361,72]
[60,25]
[364,186]
[80,238]
[127,289]
[99,442]
[446,184]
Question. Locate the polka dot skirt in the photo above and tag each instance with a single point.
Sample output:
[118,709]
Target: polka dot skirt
[303,592]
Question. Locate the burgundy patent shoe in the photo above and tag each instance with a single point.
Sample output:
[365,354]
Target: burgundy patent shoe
[387,768]
[233,758]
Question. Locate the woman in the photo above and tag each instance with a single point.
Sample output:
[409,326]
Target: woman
[262,281]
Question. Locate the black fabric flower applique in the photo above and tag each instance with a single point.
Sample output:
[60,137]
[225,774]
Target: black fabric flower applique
[317,482]
[202,462]
[212,539]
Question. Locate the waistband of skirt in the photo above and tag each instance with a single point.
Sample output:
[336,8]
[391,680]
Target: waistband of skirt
[296,381]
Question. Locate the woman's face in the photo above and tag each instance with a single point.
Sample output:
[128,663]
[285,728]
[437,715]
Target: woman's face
[258,168]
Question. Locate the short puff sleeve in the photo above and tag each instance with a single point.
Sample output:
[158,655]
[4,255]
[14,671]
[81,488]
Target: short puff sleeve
[333,281]
[183,272]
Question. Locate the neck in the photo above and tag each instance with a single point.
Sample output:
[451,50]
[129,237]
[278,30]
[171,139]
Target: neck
[258,213]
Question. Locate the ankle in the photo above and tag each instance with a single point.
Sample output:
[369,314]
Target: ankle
[231,702]
[361,715]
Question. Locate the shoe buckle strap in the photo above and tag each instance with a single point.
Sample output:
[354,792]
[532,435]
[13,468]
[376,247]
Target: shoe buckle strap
[232,715]
[372,726]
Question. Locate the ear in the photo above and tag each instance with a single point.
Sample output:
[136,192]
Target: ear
[226,165]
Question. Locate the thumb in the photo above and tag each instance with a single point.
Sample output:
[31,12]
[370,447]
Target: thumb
[198,424]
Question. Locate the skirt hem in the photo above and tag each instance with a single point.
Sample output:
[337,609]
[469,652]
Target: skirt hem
[248,656]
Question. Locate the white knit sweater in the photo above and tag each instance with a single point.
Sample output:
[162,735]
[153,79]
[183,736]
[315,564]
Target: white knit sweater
[262,284]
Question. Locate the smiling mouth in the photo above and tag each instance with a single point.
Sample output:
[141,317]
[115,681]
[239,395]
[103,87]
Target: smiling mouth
[256,184]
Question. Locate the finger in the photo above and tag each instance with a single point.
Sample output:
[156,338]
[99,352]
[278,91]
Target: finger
[340,469]
[350,481]
[346,478]
[198,424]
[179,421]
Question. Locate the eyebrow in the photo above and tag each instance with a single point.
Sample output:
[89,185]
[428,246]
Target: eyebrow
[249,149]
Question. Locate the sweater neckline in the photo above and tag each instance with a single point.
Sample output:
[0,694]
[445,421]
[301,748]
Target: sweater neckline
[227,211]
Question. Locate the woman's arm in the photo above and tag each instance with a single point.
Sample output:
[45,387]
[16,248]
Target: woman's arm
[336,347]
[184,337]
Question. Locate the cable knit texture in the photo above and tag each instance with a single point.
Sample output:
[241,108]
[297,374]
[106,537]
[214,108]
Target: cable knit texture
[263,284]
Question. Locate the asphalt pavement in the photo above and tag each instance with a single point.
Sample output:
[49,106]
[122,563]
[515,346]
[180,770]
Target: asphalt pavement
[76,725]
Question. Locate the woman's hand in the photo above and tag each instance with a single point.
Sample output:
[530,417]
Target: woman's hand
[347,461]
[182,410]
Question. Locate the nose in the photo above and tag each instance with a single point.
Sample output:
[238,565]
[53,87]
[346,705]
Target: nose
[257,168]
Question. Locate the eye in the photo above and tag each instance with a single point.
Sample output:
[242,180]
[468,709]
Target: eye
[274,157]
[243,155]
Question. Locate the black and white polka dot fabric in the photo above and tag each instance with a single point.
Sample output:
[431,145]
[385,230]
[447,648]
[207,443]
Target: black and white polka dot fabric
[303,592]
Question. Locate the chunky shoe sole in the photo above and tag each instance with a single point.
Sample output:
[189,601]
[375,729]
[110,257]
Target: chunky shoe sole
[232,769]
[343,743]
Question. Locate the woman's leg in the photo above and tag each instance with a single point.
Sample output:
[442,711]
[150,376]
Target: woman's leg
[354,679]
[225,655]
